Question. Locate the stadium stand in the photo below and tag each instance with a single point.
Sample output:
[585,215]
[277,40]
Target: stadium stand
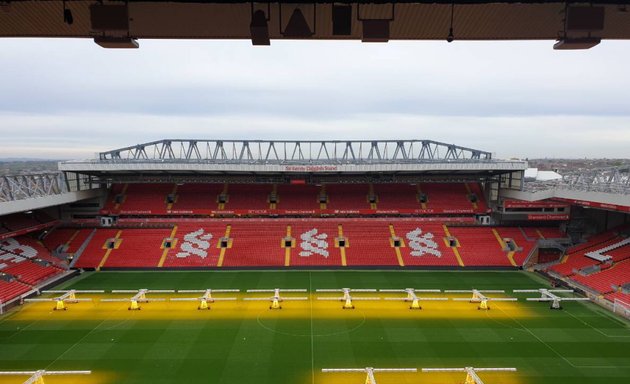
[347,196]
[21,223]
[478,246]
[603,282]
[146,198]
[447,197]
[137,248]
[256,243]
[253,242]
[368,243]
[543,232]
[196,197]
[625,297]
[315,243]
[12,289]
[523,246]
[298,197]
[575,258]
[248,196]
[32,272]
[196,245]
[95,251]
[397,196]
[70,239]
[424,244]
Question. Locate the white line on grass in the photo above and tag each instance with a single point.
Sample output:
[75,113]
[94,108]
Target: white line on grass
[310,291]
[595,329]
[556,352]
[81,339]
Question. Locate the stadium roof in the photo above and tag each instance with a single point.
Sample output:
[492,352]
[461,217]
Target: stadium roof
[118,23]
[294,157]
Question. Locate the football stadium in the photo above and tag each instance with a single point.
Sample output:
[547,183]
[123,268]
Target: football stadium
[260,261]
[400,261]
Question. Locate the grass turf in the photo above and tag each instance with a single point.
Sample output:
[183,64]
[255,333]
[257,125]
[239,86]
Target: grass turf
[243,342]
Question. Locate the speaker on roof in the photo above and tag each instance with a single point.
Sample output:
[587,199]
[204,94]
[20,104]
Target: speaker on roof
[375,31]
[109,17]
[585,19]
[259,28]
[342,20]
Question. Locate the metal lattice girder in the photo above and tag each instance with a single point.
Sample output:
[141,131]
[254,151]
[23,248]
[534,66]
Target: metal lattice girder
[295,152]
[18,187]
[608,180]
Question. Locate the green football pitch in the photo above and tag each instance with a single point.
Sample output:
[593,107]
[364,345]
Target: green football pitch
[244,342]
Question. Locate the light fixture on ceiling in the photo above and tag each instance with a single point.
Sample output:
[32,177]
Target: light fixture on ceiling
[67,14]
[376,30]
[112,21]
[259,27]
[451,37]
[297,27]
[579,24]
[117,42]
[342,20]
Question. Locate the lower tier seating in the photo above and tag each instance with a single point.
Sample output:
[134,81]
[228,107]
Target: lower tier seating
[303,242]
[12,289]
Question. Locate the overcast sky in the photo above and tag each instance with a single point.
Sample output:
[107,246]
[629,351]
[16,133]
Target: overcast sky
[71,98]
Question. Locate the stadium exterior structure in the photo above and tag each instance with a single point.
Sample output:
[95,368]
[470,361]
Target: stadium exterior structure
[247,157]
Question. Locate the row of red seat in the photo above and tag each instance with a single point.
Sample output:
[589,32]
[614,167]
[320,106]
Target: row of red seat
[613,273]
[25,263]
[311,242]
[24,222]
[197,198]
[12,289]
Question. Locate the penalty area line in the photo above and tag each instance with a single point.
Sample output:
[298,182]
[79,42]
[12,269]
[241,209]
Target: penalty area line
[558,353]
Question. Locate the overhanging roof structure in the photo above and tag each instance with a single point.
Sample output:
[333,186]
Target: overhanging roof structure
[293,157]
[370,21]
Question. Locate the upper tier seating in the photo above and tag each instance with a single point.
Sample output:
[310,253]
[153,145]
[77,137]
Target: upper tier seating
[347,196]
[298,197]
[397,196]
[195,197]
[248,196]
[203,199]
[447,196]
[146,198]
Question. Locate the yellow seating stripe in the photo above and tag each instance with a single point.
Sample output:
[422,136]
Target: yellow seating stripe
[392,232]
[454,249]
[342,250]
[165,251]
[222,251]
[287,250]
[106,256]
